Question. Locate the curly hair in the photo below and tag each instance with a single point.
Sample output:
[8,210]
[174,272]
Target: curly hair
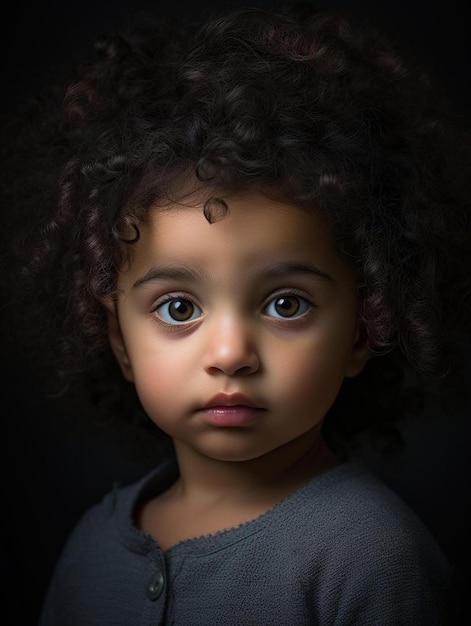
[302,104]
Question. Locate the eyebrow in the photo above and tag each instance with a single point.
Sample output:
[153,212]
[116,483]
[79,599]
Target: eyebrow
[280,269]
[171,272]
[289,267]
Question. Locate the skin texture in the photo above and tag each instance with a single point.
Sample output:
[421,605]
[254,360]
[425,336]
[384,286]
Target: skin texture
[256,306]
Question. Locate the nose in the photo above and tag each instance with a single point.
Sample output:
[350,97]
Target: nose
[231,348]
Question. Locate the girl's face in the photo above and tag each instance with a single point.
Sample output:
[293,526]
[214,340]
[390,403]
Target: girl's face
[237,334]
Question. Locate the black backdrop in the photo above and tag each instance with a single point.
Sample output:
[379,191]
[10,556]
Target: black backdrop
[55,465]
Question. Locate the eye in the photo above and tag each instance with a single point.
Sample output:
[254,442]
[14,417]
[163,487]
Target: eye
[178,310]
[287,307]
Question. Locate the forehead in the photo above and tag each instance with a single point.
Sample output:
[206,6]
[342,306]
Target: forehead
[246,213]
[255,230]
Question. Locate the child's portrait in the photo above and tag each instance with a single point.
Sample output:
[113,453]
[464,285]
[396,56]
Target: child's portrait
[235,313]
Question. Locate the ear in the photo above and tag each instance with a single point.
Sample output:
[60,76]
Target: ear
[360,353]
[116,340]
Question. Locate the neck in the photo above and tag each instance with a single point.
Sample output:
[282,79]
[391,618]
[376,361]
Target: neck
[276,473]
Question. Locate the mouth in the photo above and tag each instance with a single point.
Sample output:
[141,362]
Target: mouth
[229,400]
[231,410]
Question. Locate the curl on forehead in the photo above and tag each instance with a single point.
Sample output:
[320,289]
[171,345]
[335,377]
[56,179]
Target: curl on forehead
[160,193]
[185,186]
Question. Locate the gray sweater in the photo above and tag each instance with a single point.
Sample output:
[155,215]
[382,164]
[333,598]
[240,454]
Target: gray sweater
[341,550]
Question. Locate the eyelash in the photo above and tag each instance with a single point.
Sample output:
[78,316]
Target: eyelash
[292,293]
[170,298]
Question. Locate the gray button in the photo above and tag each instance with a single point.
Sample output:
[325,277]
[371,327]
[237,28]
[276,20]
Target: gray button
[155,585]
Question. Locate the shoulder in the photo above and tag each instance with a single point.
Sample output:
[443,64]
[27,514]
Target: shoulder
[351,493]
[105,536]
[350,504]
[102,528]
[112,520]
[104,553]
[372,554]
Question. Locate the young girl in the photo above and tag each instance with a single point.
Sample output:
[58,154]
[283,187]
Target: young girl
[260,220]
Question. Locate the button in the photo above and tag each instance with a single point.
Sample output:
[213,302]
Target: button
[155,585]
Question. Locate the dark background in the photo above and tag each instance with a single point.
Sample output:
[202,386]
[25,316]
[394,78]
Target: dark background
[56,463]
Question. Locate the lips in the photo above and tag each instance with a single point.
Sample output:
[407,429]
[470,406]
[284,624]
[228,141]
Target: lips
[231,400]
[231,410]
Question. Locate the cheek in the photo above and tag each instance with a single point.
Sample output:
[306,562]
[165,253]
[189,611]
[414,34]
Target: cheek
[154,364]
[310,377]
[157,383]
[312,374]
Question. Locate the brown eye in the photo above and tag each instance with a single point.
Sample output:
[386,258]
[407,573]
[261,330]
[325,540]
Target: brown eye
[178,310]
[286,307]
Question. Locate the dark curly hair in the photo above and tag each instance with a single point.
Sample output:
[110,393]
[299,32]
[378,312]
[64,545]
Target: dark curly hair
[305,105]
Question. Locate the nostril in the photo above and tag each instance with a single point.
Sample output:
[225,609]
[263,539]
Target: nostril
[232,364]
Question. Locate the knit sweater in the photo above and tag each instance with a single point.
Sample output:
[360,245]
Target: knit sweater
[341,550]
